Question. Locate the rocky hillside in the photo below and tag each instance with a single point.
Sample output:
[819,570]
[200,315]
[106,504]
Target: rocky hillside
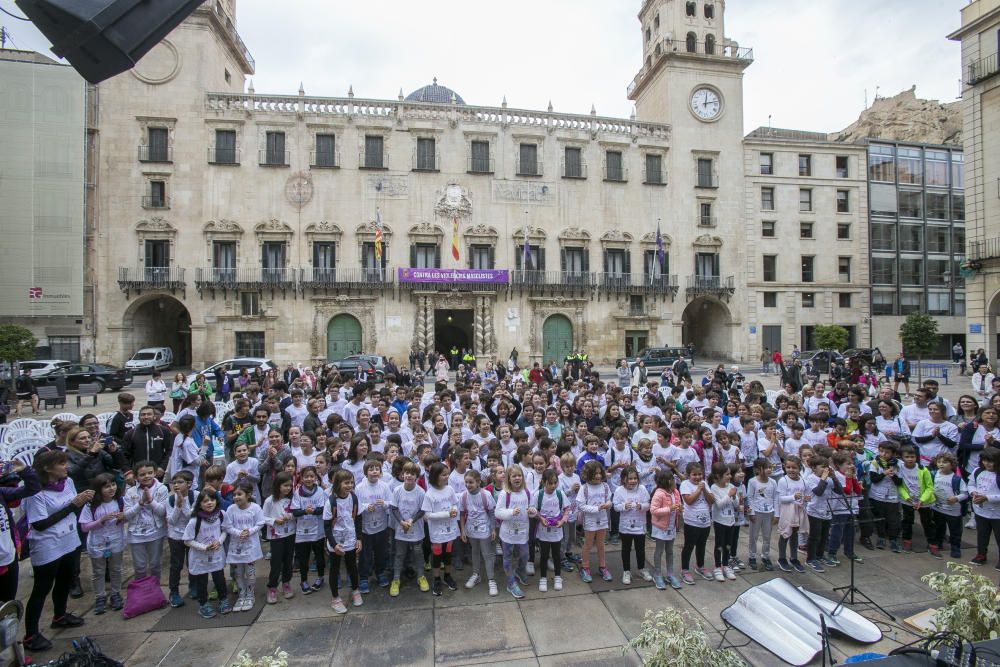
[905,117]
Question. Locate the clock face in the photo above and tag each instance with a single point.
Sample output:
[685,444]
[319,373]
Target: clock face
[706,104]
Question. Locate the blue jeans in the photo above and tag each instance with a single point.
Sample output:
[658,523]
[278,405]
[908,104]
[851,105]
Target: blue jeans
[514,562]
[841,532]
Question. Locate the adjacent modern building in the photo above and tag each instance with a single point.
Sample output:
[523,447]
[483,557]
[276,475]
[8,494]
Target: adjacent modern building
[980,38]
[42,187]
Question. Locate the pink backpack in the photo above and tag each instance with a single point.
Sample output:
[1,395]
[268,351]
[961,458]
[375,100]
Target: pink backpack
[143,595]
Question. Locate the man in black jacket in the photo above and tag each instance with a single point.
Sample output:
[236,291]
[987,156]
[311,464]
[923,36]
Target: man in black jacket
[120,422]
[149,441]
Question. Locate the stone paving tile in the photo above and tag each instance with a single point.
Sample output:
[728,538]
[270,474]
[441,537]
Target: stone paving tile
[549,638]
[523,662]
[609,657]
[629,607]
[193,648]
[457,641]
[405,638]
[309,643]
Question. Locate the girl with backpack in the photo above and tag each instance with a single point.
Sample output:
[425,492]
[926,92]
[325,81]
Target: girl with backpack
[553,512]
[594,501]
[206,552]
[243,522]
[479,529]
[342,526]
[631,501]
[513,510]
[103,520]
[441,512]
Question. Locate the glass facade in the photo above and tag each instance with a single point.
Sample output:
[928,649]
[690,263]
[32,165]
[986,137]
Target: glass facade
[917,224]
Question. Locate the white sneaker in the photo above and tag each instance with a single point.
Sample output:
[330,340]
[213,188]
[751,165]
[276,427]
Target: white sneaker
[626,577]
[971,523]
[718,575]
[530,569]
[241,603]
[493,588]
[646,576]
[557,583]
[248,602]
[499,549]
[728,573]
[339,606]
[543,584]
[473,581]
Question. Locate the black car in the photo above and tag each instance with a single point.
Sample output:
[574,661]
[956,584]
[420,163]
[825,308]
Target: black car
[349,366]
[658,358]
[865,354]
[107,377]
[821,360]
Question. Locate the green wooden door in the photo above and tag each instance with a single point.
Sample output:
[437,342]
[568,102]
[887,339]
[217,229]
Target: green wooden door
[557,338]
[343,337]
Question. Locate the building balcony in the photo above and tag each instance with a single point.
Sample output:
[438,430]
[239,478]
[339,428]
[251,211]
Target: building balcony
[224,156]
[156,154]
[529,168]
[708,221]
[211,278]
[465,280]
[481,165]
[324,159]
[982,69]
[979,251]
[344,278]
[373,160]
[553,280]
[155,201]
[574,169]
[150,278]
[638,283]
[269,158]
[616,174]
[427,162]
[655,176]
[716,286]
[681,48]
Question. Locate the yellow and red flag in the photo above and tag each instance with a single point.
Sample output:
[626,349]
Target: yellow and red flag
[378,236]
[454,237]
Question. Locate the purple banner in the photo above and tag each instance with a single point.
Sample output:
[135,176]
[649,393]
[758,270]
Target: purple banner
[491,276]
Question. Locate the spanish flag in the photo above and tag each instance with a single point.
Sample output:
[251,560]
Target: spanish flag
[378,236]
[454,237]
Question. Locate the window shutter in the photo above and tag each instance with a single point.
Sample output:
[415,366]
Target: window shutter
[605,261]
[586,259]
[413,255]
[333,255]
[491,257]
[437,256]
[562,259]
[518,256]
[628,262]
[539,253]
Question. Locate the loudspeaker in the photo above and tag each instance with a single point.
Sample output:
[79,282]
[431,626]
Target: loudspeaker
[102,38]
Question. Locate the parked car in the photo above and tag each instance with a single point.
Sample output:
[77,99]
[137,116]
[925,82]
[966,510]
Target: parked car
[658,358]
[42,367]
[107,377]
[865,354]
[150,359]
[820,360]
[238,364]
[349,365]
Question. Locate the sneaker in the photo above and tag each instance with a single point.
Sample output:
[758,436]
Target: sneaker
[449,581]
[515,591]
[616,539]
[67,620]
[752,563]
[576,558]
[318,584]
[543,584]
[437,587]
[816,566]
[585,575]
[530,568]
[382,580]
[718,575]
[675,583]
[225,607]
[866,542]
[706,574]
[687,577]
[783,565]
[272,596]
[176,600]
[908,546]
[117,603]
[493,587]
[728,573]
[605,575]
[100,605]
[38,642]
[935,550]
[797,565]
[736,564]
[880,544]
[287,592]
[856,558]
[979,559]
[646,576]
[768,565]
[306,590]
[830,560]
[567,565]
[394,588]
[956,553]
[423,584]
[338,606]
[626,577]
[659,582]
[356,599]
[205,611]
[557,583]
[241,600]
[473,581]
[895,546]
[364,586]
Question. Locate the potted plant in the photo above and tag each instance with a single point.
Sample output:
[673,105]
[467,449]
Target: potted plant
[970,606]
[669,637]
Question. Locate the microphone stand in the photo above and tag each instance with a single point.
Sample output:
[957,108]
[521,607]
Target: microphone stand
[852,590]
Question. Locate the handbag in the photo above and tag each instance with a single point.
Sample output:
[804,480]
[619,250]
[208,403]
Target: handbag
[178,393]
[143,595]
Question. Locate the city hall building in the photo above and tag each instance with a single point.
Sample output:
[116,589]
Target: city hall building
[229,222]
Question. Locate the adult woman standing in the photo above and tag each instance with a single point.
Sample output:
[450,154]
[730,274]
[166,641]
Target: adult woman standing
[52,515]
[441,369]
[623,373]
[178,390]
[201,387]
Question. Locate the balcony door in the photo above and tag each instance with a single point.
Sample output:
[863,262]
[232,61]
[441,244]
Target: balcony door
[324,261]
[224,260]
[157,260]
[272,261]
[706,269]
[575,265]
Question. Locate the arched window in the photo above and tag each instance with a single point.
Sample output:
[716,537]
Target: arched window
[656,22]
[692,9]
[692,42]
[710,44]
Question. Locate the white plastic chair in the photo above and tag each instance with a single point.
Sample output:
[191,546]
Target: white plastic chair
[168,418]
[221,408]
[68,417]
[105,420]
[22,424]
[45,431]
[24,450]
[771,395]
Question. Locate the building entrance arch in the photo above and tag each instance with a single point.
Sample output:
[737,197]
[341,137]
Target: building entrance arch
[343,337]
[706,325]
[158,321]
[557,339]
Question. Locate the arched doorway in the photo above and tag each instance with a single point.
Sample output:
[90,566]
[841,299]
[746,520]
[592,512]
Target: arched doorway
[557,338]
[160,321]
[706,324]
[343,337]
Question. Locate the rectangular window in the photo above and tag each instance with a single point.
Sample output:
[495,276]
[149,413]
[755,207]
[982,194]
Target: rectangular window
[938,303]
[274,152]
[536,257]
[910,302]
[426,256]
[958,173]
[767,229]
[481,257]
[273,254]
[225,147]
[705,177]
[910,204]
[324,258]
[654,271]
[575,265]
[527,164]
[616,261]
[843,201]
[157,194]
[572,162]
[805,230]
[808,300]
[938,272]
[654,170]
[65,347]
[883,236]
[426,154]
[911,271]
[843,231]
[480,162]
[959,301]
[224,260]
[938,239]
[614,166]
[767,164]
[767,199]
[910,170]
[770,299]
[249,304]
[805,165]
[706,219]
[326,151]
[958,207]
[250,344]
[368,260]
[157,137]
[841,166]
[883,302]
[805,200]
[936,166]
[937,205]
[884,271]
[881,164]
[706,265]
[883,200]
[844,269]
[374,157]
[808,265]
[770,273]
[911,238]
[958,240]
[844,299]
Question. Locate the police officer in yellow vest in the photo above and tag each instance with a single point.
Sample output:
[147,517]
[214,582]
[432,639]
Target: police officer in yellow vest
[469,359]
[453,352]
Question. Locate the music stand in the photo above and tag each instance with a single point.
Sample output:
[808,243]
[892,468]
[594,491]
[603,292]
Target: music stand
[852,590]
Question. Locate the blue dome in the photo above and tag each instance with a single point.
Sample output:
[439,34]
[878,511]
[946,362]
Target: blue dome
[434,94]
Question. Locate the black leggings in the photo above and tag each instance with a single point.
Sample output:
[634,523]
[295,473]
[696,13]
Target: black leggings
[783,545]
[888,512]
[723,538]
[819,531]
[985,529]
[201,583]
[640,551]
[282,553]
[547,550]
[8,582]
[302,552]
[695,539]
[350,559]
[56,576]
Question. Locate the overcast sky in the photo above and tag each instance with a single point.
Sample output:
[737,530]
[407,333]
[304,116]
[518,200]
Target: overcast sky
[813,59]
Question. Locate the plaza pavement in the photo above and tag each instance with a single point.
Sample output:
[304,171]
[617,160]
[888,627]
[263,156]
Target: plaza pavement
[585,624]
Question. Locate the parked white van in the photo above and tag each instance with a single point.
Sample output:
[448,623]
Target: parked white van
[149,359]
